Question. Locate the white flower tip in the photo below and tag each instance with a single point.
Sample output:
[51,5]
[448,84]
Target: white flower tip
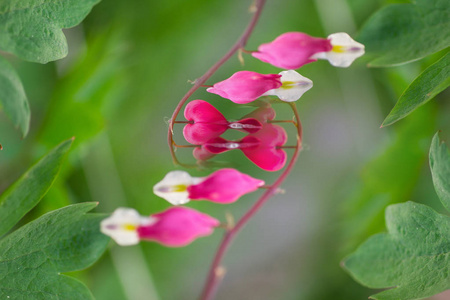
[345,50]
[122,226]
[173,187]
[294,86]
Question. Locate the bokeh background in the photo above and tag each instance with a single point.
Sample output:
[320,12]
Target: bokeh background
[128,66]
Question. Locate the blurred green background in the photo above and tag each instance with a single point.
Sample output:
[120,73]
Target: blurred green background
[129,64]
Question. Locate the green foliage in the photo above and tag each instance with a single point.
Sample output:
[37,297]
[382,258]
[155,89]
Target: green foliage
[31,29]
[26,193]
[440,170]
[32,257]
[425,87]
[13,98]
[400,33]
[413,257]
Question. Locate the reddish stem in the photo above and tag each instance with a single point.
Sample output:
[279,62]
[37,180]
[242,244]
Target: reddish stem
[241,42]
[216,271]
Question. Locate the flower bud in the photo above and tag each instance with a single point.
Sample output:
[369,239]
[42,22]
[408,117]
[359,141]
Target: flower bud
[175,227]
[292,50]
[245,86]
[222,186]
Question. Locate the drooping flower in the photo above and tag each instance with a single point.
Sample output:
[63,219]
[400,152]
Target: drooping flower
[263,148]
[268,154]
[345,50]
[293,86]
[175,227]
[294,49]
[206,122]
[222,186]
[245,86]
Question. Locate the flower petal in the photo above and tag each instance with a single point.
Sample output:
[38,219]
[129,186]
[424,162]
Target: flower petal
[178,226]
[224,186]
[294,86]
[174,186]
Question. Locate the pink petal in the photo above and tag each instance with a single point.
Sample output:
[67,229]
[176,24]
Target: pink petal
[262,114]
[245,86]
[292,50]
[208,122]
[267,155]
[249,125]
[224,186]
[178,226]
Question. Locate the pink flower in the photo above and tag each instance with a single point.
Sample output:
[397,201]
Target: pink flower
[292,50]
[178,226]
[268,155]
[175,227]
[246,86]
[206,122]
[223,186]
[263,147]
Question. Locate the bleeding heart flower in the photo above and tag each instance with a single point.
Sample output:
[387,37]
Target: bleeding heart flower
[245,86]
[268,154]
[175,227]
[345,50]
[263,147]
[293,86]
[206,122]
[292,50]
[222,186]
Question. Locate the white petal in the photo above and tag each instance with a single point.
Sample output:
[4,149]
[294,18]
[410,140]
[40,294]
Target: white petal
[122,224]
[294,86]
[173,187]
[345,50]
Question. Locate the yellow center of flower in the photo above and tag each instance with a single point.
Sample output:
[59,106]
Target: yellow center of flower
[338,49]
[129,227]
[288,85]
[179,188]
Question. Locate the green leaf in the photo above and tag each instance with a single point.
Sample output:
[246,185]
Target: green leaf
[26,193]
[32,257]
[400,33]
[425,87]
[440,170]
[31,29]
[413,259]
[13,98]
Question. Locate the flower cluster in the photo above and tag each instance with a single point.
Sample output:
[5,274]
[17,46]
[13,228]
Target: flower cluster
[263,143]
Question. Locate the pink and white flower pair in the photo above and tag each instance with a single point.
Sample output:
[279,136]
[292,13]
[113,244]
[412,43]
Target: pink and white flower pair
[246,86]
[175,227]
[292,50]
[223,186]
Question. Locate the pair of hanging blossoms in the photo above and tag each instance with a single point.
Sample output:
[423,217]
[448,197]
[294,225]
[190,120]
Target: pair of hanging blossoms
[179,226]
[263,144]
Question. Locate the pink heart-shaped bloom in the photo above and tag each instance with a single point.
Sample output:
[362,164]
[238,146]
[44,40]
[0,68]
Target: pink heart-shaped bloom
[177,227]
[267,154]
[224,186]
[292,50]
[245,86]
[263,148]
[206,123]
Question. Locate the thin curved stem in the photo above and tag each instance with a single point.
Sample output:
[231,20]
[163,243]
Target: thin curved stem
[241,42]
[216,272]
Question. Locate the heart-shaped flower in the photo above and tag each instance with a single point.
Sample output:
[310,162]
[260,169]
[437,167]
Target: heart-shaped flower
[222,186]
[175,227]
[206,122]
[246,86]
